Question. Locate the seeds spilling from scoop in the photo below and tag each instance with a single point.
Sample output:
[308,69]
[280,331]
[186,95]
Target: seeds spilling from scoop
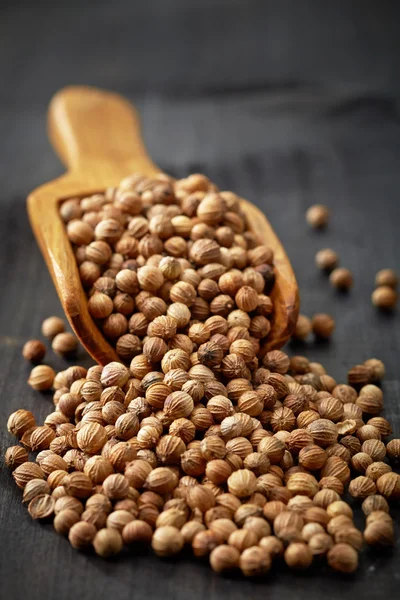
[207,440]
[245,465]
[157,255]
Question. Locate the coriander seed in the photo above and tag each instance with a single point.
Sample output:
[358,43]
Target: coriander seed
[303,328]
[20,422]
[341,278]
[107,542]
[167,541]
[81,535]
[15,456]
[34,351]
[52,326]
[379,533]
[317,216]
[224,558]
[41,377]
[343,558]
[41,507]
[298,556]
[386,277]
[64,520]
[254,561]
[384,298]
[323,325]
[326,259]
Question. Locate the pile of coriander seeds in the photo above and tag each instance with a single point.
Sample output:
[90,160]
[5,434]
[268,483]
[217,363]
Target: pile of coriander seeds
[179,250]
[206,443]
[242,471]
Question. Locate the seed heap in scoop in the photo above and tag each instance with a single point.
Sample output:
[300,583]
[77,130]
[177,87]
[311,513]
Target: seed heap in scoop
[171,266]
[244,470]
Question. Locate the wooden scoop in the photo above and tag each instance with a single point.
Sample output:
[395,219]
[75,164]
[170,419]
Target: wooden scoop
[97,136]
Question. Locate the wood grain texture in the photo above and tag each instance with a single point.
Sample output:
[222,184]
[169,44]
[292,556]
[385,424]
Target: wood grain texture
[97,136]
[334,139]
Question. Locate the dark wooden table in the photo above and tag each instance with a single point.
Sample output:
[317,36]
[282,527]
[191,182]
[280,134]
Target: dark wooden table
[287,103]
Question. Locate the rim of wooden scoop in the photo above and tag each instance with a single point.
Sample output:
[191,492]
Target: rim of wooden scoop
[97,136]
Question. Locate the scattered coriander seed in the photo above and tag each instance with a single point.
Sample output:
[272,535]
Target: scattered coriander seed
[341,278]
[41,378]
[323,325]
[384,297]
[34,351]
[64,344]
[298,556]
[303,328]
[317,216]
[386,277]
[52,326]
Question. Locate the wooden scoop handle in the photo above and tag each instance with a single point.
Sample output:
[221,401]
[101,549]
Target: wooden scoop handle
[93,130]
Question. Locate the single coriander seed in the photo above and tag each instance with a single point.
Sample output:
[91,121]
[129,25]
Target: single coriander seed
[34,351]
[64,344]
[323,325]
[41,378]
[386,277]
[224,558]
[317,216]
[341,278]
[52,326]
[384,298]
[167,541]
[107,542]
[326,259]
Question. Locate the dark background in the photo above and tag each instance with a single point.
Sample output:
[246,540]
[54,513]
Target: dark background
[288,103]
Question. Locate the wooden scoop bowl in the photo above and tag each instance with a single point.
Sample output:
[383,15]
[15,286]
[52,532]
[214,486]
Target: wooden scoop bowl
[97,136]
